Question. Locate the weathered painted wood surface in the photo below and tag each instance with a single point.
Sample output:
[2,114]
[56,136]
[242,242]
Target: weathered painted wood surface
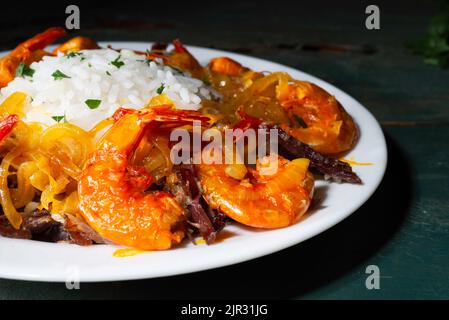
[403,228]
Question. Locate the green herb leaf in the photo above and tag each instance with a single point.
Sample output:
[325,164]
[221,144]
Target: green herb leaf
[73,54]
[24,70]
[435,46]
[147,61]
[160,89]
[58,119]
[118,63]
[58,75]
[108,73]
[92,103]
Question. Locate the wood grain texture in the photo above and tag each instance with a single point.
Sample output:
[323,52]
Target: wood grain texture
[403,228]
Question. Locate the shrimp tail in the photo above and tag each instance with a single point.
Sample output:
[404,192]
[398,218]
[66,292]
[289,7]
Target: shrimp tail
[27,52]
[6,125]
[43,39]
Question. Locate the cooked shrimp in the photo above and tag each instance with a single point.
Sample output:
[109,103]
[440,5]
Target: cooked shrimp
[304,110]
[179,58]
[112,190]
[320,119]
[27,52]
[261,201]
[226,66]
[76,44]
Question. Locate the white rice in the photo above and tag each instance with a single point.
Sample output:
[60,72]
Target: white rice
[94,77]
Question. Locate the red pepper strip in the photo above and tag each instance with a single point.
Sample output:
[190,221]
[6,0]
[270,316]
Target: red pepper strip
[179,47]
[6,125]
[121,112]
[153,55]
[245,123]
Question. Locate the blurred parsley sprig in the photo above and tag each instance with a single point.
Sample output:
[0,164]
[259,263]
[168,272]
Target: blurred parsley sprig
[435,46]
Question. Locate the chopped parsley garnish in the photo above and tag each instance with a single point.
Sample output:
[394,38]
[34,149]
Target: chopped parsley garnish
[73,54]
[118,63]
[300,121]
[58,119]
[108,73]
[92,103]
[24,70]
[160,89]
[89,65]
[58,75]
[147,61]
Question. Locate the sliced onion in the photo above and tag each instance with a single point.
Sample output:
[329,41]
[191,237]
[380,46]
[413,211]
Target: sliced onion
[14,217]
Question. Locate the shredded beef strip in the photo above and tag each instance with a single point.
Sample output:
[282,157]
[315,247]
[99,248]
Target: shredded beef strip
[6,230]
[291,148]
[200,217]
[39,225]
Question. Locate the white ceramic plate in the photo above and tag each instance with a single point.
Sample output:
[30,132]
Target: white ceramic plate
[32,260]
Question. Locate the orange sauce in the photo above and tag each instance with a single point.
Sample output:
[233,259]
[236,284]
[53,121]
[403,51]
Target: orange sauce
[351,161]
[127,252]
[223,235]
[200,241]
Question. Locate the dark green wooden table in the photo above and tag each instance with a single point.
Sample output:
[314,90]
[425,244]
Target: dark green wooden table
[403,228]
